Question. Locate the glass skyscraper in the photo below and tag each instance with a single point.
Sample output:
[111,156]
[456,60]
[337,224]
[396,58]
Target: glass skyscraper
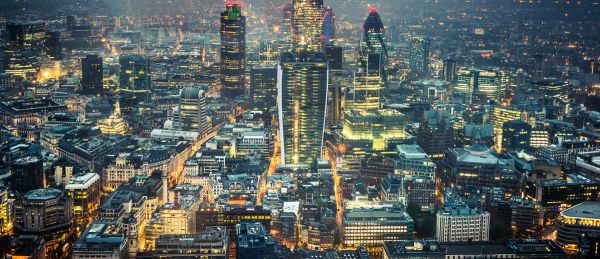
[233,50]
[135,75]
[91,74]
[370,77]
[302,80]
[307,25]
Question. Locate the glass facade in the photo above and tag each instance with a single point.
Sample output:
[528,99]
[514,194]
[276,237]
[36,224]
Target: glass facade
[233,50]
[302,100]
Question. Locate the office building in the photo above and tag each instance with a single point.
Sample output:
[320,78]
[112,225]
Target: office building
[29,35]
[583,218]
[328,26]
[435,133]
[421,191]
[472,81]
[47,213]
[516,135]
[377,130]
[233,50]
[53,46]
[477,167]
[91,75]
[553,194]
[450,70]
[420,48]
[307,25]
[302,100]
[413,162]
[84,190]
[458,222]
[102,239]
[134,76]
[28,174]
[192,114]
[254,241]
[523,248]
[335,57]
[210,243]
[371,227]
[5,212]
[371,75]
[263,86]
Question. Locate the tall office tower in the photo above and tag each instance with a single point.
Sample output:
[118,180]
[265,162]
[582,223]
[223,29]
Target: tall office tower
[91,75]
[287,18]
[373,43]
[307,25]
[28,174]
[70,22]
[328,27]
[263,86]
[53,46]
[233,50]
[135,75]
[192,113]
[419,55]
[335,57]
[302,80]
[450,70]
[370,78]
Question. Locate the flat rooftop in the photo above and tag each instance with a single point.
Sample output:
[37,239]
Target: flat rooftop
[586,210]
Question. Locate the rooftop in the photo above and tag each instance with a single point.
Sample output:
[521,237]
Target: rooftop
[585,210]
[43,194]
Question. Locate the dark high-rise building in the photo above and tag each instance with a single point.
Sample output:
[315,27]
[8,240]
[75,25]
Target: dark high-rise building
[328,27]
[263,86]
[91,75]
[27,174]
[302,99]
[135,75]
[450,69]
[53,46]
[420,48]
[233,50]
[373,44]
[307,25]
[29,35]
[70,22]
[435,133]
[335,57]
[516,134]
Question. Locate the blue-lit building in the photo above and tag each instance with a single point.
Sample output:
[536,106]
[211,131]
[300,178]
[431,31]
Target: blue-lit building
[135,75]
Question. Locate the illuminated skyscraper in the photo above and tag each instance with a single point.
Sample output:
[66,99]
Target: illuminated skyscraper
[328,27]
[135,75]
[302,80]
[91,74]
[307,25]
[233,50]
[419,55]
[373,42]
[369,79]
